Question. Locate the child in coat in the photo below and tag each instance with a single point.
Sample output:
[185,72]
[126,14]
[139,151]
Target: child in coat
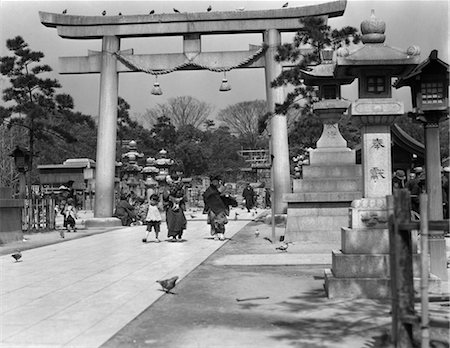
[70,215]
[153,218]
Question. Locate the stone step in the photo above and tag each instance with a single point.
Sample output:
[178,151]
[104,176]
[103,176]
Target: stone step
[314,227]
[327,185]
[368,240]
[317,197]
[374,288]
[315,235]
[319,210]
[331,158]
[335,171]
[365,266]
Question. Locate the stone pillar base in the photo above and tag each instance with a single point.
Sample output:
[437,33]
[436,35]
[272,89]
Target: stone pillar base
[102,222]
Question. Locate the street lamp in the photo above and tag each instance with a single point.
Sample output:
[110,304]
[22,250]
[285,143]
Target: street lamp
[429,83]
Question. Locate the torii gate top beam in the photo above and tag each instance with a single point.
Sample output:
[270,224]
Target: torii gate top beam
[169,24]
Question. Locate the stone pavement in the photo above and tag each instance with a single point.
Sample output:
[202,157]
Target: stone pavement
[80,292]
[101,291]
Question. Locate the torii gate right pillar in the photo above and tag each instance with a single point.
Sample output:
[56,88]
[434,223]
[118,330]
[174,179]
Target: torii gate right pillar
[278,125]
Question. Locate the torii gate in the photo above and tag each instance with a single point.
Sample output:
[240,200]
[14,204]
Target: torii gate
[111,61]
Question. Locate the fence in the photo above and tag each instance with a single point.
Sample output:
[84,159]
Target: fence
[39,215]
[404,316]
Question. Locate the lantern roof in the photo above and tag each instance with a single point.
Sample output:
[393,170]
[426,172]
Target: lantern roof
[375,53]
[322,74]
[431,62]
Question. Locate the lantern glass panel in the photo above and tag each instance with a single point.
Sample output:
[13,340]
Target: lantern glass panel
[376,84]
[432,92]
[329,92]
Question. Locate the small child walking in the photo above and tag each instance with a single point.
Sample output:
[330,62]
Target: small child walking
[153,218]
[70,214]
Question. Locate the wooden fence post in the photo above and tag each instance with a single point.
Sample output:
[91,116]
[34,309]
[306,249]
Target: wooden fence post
[403,269]
[392,268]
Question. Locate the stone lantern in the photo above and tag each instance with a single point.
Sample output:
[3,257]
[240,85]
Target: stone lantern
[131,167]
[360,267]
[163,163]
[149,173]
[429,94]
[324,190]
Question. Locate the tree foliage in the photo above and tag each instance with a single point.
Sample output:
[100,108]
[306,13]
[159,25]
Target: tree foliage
[35,104]
[315,35]
[182,111]
[242,119]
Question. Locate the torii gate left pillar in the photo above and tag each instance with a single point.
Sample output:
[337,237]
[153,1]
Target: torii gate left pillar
[107,129]
[191,26]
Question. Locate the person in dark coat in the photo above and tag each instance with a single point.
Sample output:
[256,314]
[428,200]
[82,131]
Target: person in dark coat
[414,190]
[217,205]
[399,179]
[174,203]
[249,196]
[125,211]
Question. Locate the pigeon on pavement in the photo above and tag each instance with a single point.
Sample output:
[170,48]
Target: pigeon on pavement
[283,247]
[17,255]
[268,239]
[257,233]
[168,284]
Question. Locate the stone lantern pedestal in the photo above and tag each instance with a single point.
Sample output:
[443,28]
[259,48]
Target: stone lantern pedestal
[332,180]
[361,267]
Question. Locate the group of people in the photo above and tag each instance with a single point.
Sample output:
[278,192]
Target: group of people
[217,200]
[415,183]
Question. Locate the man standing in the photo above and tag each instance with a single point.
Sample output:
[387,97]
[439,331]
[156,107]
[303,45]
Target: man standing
[249,196]
[217,203]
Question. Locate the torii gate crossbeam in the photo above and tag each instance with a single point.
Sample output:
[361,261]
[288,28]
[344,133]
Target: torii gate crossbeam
[111,29]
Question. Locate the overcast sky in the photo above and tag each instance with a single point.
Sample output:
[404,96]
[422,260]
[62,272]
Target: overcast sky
[422,23]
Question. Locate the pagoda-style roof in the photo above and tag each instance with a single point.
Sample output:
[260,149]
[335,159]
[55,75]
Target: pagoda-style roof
[431,63]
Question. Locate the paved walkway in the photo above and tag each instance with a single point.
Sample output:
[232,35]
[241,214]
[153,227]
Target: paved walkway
[81,292]
[101,290]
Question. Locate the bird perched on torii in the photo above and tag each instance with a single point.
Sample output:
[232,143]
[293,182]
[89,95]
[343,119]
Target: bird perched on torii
[168,284]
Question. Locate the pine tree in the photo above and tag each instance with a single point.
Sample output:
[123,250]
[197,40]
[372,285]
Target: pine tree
[35,105]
